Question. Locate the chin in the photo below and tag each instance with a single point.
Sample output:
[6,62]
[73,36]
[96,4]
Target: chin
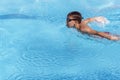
[71,26]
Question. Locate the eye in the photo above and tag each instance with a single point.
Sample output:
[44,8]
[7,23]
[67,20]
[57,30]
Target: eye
[68,20]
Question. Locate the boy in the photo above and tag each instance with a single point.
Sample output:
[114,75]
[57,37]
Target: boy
[74,20]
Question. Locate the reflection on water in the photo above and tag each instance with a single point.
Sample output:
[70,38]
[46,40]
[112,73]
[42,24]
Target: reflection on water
[15,16]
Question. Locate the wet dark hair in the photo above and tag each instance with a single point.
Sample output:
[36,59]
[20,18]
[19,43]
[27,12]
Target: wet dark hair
[76,15]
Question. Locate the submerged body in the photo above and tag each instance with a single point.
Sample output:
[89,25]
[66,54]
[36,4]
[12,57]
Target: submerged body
[74,20]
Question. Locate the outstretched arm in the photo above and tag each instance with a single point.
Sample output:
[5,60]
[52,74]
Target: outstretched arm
[90,31]
[103,34]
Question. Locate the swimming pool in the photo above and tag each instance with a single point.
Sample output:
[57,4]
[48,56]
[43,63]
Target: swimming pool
[35,43]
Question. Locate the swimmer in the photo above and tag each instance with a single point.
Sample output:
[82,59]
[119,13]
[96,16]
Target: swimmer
[74,20]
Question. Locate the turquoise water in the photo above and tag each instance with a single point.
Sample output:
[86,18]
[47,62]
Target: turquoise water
[35,43]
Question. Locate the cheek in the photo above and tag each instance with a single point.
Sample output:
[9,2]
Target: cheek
[71,24]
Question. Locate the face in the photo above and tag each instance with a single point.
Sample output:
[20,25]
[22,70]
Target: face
[70,22]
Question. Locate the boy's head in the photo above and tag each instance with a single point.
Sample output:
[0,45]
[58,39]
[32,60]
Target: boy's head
[73,18]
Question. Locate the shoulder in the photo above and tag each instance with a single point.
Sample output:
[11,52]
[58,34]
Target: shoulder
[84,27]
[83,24]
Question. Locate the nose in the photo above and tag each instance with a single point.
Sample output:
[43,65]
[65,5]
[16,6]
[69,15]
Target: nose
[67,24]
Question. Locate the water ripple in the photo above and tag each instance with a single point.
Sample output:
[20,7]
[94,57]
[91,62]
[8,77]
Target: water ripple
[104,75]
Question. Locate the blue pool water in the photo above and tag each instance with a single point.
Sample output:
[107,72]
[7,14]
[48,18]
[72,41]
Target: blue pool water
[35,43]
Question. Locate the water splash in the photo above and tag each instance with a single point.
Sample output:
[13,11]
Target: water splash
[102,22]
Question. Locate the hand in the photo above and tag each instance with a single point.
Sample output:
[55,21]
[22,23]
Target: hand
[101,19]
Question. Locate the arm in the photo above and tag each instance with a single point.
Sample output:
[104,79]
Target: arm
[104,35]
[90,31]
[99,19]
[88,20]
